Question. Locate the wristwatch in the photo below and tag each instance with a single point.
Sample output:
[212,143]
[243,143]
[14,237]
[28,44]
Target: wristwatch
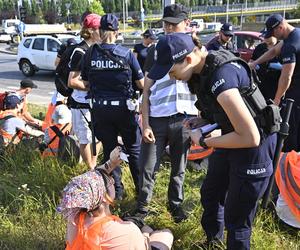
[202,142]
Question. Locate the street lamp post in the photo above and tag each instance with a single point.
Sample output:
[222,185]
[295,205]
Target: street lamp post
[123,17]
[142,14]
[227,8]
[68,5]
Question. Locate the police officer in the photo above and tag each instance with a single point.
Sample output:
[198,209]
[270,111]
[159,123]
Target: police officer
[239,169]
[224,40]
[288,85]
[110,71]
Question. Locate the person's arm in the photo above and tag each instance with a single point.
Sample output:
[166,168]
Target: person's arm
[137,73]
[245,134]
[113,162]
[148,135]
[284,81]
[57,60]
[34,132]
[270,54]
[75,81]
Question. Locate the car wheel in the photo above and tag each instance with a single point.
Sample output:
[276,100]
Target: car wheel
[27,68]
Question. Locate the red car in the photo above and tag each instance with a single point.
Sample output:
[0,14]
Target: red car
[244,42]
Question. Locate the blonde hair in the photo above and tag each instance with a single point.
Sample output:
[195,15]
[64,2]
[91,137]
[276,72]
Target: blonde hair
[107,35]
[85,33]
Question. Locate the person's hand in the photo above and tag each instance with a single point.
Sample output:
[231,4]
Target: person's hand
[148,135]
[195,135]
[194,122]
[277,101]
[114,157]
[252,65]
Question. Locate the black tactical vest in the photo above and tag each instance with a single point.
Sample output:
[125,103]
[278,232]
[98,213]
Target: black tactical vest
[267,117]
[110,75]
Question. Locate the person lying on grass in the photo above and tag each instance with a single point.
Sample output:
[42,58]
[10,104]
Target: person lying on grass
[86,204]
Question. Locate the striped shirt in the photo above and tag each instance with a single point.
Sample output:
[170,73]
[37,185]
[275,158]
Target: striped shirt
[169,97]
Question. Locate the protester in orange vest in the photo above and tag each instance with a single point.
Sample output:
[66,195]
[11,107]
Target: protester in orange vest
[62,118]
[11,124]
[288,182]
[85,205]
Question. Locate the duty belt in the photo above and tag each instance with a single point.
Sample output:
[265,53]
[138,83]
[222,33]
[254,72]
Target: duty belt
[102,102]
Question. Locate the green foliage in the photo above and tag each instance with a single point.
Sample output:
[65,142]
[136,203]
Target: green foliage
[29,193]
[96,7]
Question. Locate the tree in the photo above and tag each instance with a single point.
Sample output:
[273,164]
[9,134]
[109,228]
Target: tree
[96,8]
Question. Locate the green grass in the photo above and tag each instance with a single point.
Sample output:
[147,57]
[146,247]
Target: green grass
[28,219]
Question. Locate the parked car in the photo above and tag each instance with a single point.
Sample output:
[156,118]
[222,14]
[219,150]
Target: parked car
[244,42]
[38,52]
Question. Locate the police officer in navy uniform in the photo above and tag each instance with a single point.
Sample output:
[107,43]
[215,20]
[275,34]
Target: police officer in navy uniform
[110,70]
[240,167]
[289,82]
[224,40]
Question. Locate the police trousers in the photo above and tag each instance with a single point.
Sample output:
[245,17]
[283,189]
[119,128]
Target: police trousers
[111,121]
[167,130]
[235,181]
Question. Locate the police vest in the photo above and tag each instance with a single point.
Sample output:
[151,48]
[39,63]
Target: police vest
[110,75]
[267,117]
[288,181]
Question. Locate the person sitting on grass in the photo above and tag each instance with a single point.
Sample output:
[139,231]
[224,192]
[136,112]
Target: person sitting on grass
[12,127]
[86,204]
[61,121]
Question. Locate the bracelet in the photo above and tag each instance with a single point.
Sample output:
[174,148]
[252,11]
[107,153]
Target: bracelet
[202,143]
[107,166]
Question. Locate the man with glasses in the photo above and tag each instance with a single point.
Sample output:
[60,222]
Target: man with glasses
[224,39]
[166,103]
[288,85]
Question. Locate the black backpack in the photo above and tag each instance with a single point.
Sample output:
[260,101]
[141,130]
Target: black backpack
[62,72]
[68,147]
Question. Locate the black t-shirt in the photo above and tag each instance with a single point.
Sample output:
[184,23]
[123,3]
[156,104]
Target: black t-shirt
[149,59]
[142,52]
[77,56]
[269,77]
[290,53]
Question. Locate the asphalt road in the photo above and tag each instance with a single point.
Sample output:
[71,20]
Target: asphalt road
[10,77]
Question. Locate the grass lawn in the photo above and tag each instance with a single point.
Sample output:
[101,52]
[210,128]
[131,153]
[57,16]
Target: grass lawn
[30,188]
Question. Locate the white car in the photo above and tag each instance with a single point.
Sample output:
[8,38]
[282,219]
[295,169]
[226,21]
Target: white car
[39,52]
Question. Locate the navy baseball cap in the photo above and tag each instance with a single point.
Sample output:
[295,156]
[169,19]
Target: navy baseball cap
[175,13]
[11,101]
[272,22]
[227,29]
[109,22]
[149,33]
[170,49]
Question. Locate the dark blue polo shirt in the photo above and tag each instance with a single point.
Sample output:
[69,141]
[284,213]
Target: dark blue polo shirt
[216,45]
[142,52]
[137,73]
[230,75]
[253,162]
[290,53]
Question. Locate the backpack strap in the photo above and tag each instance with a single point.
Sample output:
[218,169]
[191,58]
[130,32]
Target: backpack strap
[57,132]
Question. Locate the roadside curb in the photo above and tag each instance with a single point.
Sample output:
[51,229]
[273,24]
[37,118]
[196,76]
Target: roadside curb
[7,52]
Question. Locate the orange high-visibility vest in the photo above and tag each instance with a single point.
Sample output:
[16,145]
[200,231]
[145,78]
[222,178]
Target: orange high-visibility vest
[288,181]
[86,237]
[197,152]
[52,148]
[48,118]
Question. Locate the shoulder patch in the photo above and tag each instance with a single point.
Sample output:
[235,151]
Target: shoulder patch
[121,51]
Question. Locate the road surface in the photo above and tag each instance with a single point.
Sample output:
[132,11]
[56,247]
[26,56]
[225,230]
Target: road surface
[10,77]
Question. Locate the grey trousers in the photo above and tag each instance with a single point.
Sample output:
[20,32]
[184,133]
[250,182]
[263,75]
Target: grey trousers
[167,130]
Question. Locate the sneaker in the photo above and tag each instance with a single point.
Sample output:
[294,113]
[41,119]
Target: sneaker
[141,212]
[178,214]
